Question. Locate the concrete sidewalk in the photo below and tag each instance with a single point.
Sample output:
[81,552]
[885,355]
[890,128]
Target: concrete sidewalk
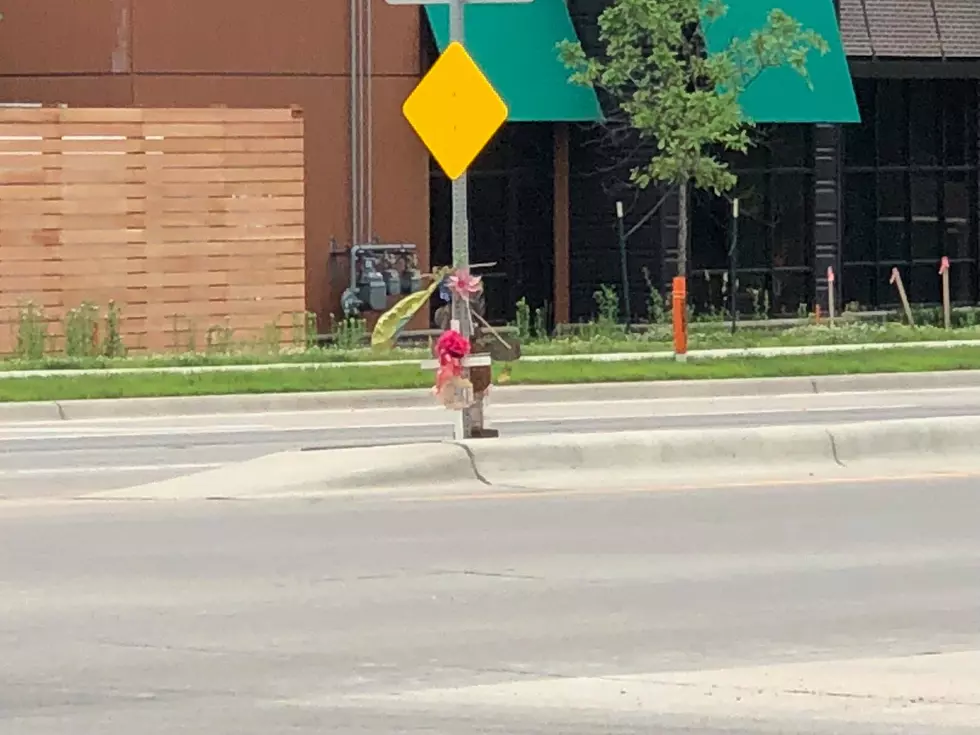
[500,395]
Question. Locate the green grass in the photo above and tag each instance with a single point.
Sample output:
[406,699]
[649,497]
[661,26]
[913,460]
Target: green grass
[702,337]
[710,338]
[300,379]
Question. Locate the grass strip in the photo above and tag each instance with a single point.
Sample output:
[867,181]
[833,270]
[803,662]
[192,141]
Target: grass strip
[657,341]
[67,387]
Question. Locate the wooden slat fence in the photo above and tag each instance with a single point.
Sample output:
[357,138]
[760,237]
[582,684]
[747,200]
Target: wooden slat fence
[188,220]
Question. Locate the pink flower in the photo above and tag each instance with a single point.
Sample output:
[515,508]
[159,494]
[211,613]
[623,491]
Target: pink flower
[464,284]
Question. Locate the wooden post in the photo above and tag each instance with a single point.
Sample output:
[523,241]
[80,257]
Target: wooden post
[680,318]
[896,279]
[947,311]
[831,296]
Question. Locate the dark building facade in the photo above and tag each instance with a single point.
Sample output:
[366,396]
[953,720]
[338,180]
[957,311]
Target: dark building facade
[899,189]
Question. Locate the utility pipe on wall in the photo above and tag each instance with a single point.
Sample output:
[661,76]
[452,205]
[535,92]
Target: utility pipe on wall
[361,121]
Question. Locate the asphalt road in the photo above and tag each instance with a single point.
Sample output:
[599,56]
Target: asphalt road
[846,609]
[65,458]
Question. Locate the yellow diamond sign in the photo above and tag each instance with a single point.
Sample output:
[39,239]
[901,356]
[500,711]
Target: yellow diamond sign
[455,110]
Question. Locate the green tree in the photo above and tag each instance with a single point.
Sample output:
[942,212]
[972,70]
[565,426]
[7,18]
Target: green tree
[657,68]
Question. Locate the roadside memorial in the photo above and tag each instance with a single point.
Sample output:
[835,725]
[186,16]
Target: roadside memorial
[456,111]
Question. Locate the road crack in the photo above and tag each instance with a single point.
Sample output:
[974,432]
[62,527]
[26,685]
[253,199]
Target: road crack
[833,449]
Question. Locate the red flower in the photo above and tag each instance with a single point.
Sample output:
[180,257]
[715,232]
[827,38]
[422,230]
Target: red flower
[451,348]
[452,344]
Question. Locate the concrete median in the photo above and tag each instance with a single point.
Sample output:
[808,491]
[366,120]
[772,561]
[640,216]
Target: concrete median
[933,445]
[938,440]
[651,453]
[313,473]
[592,460]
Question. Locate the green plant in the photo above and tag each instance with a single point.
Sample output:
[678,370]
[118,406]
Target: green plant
[312,333]
[656,303]
[271,340]
[112,341]
[349,333]
[607,305]
[183,339]
[540,324]
[606,325]
[523,321]
[218,339]
[304,333]
[760,302]
[82,331]
[32,331]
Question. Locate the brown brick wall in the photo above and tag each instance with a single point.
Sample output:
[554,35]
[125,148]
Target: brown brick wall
[187,217]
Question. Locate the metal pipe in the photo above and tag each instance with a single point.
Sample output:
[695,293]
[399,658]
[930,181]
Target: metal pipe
[470,418]
[369,123]
[354,252]
[733,269]
[623,265]
[354,183]
[461,226]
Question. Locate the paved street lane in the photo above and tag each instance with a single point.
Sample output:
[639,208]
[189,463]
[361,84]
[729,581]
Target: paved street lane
[76,457]
[846,608]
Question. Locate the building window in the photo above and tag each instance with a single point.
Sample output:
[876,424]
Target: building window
[910,191]
[775,244]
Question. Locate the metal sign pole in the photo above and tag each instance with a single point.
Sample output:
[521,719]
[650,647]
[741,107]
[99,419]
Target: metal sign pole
[733,268]
[461,225]
[457,91]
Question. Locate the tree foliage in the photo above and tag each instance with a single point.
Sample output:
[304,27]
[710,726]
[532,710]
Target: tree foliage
[657,69]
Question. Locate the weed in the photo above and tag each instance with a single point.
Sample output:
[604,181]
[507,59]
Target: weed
[218,339]
[303,330]
[312,333]
[349,333]
[112,342]
[271,338]
[82,331]
[760,302]
[32,331]
[656,303]
[607,304]
[523,321]
[541,324]
[712,315]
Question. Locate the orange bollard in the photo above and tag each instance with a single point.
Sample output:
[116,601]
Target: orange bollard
[680,317]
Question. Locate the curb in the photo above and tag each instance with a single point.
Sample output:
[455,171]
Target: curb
[519,462]
[324,472]
[136,408]
[729,451]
